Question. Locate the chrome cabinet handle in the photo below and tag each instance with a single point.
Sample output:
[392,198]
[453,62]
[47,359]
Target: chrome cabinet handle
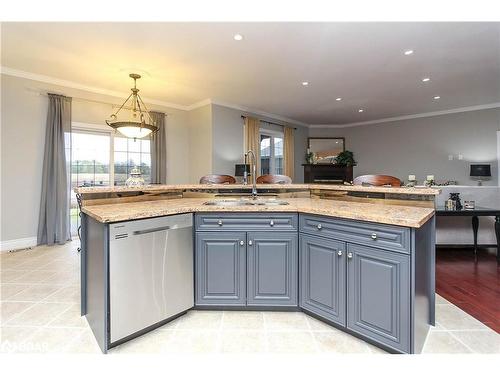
[271,223]
[319,226]
[219,222]
[374,236]
[349,255]
[250,242]
[242,243]
[339,253]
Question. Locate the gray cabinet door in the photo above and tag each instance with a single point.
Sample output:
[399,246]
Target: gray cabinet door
[379,295]
[220,268]
[272,269]
[322,274]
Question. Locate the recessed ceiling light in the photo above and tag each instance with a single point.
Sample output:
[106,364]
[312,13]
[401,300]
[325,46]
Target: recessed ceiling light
[305,83]
[408,52]
[361,110]
[338,99]
[437,97]
[238,37]
[426,79]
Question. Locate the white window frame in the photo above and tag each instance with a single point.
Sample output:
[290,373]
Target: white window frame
[272,158]
[99,129]
[140,152]
[83,127]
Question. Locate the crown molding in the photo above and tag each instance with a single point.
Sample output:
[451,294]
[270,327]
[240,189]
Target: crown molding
[409,117]
[78,86]
[98,90]
[258,112]
[199,104]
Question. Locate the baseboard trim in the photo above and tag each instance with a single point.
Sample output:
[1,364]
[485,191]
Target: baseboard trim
[17,244]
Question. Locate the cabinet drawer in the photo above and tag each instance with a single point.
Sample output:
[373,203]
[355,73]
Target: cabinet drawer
[248,222]
[382,236]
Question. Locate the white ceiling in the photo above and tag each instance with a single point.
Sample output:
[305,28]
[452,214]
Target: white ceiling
[185,63]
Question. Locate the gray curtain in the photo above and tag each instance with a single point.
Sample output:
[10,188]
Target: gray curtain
[54,219]
[159,150]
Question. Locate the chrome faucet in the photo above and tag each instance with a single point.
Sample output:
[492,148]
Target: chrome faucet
[254,173]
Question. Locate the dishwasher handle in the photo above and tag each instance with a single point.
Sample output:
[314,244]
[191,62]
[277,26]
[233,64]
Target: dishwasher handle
[152,230]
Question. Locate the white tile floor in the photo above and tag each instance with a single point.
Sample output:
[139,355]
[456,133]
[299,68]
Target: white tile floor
[40,294]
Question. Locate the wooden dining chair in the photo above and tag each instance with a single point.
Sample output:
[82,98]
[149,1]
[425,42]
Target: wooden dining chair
[274,179]
[377,180]
[217,179]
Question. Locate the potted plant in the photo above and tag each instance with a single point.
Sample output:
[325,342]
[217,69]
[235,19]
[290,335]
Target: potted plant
[345,159]
[309,157]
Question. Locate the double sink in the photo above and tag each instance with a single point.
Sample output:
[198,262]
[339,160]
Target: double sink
[247,202]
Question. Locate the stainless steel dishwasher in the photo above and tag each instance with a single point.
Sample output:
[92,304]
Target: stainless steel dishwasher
[150,272]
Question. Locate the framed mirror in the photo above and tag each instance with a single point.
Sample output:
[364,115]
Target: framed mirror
[325,149]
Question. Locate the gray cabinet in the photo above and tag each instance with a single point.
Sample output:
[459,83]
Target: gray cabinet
[221,268]
[382,236]
[359,276]
[378,290]
[272,268]
[253,267]
[323,277]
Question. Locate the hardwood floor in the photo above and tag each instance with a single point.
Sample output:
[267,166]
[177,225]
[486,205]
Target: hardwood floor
[474,287]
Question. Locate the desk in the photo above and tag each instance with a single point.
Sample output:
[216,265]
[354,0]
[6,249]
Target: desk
[475,213]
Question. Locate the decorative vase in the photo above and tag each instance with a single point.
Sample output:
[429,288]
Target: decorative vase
[456,197]
[135,178]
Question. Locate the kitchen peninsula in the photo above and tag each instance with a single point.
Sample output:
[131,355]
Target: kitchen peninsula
[358,258]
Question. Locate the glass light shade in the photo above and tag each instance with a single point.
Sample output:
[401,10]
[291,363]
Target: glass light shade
[139,124]
[134,131]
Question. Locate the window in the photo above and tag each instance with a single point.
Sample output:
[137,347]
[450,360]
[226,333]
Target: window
[271,152]
[93,151]
[130,153]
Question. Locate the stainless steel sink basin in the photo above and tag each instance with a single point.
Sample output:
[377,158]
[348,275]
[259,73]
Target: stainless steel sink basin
[246,202]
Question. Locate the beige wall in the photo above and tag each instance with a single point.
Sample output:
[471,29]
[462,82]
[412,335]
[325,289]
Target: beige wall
[228,134]
[421,146]
[22,135]
[23,117]
[200,142]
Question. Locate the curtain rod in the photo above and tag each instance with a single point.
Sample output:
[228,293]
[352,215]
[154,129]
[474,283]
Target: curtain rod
[272,123]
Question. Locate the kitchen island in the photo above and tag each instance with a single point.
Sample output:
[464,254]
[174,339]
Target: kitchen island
[362,264]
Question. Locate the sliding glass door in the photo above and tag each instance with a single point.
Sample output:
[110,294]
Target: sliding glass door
[103,158]
[90,161]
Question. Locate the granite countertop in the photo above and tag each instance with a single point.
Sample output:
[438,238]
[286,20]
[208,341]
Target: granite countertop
[158,188]
[406,216]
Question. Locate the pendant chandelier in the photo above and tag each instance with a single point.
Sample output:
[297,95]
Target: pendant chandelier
[139,123]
